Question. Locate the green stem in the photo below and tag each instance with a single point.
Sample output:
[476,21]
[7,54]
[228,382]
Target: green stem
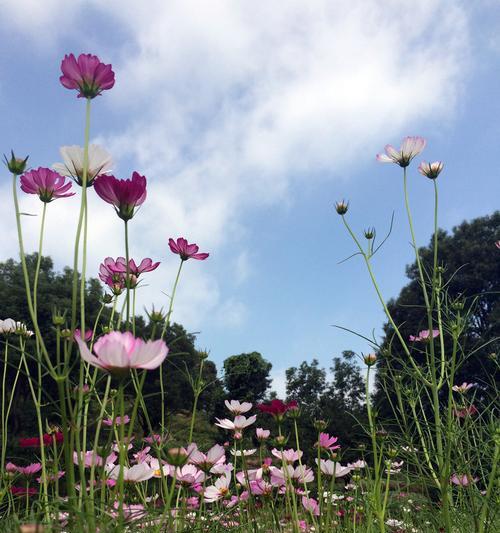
[197,393]
[127,277]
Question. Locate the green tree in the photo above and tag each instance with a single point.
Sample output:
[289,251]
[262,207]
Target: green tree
[246,377]
[471,271]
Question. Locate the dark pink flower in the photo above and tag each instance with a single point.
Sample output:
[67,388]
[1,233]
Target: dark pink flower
[86,74]
[146,265]
[109,275]
[49,185]
[186,250]
[327,443]
[24,470]
[277,408]
[87,337]
[21,491]
[124,195]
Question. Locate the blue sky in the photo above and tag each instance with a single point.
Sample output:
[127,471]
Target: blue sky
[250,120]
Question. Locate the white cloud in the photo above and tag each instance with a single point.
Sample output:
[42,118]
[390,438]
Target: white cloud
[232,104]
[278,384]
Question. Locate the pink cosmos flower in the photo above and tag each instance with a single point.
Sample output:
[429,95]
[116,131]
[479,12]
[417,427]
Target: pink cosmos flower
[51,477]
[238,408]
[465,412]
[86,74]
[158,471]
[462,389]
[410,147]
[186,250]
[289,456]
[117,421]
[262,434]
[46,183]
[302,474]
[357,465]
[22,491]
[216,455]
[91,458]
[310,505]
[88,334]
[123,195]
[118,352]
[462,480]
[424,335]
[146,265]
[240,422]
[114,280]
[189,475]
[155,438]
[430,170]
[327,443]
[29,470]
[497,244]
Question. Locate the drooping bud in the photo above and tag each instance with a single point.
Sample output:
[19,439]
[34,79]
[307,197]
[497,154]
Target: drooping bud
[177,456]
[320,425]
[369,233]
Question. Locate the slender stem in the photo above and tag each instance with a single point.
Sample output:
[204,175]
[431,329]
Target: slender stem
[127,277]
[197,393]
[83,206]
[39,258]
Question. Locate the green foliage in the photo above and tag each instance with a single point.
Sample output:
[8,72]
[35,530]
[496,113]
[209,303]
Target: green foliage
[472,276]
[246,377]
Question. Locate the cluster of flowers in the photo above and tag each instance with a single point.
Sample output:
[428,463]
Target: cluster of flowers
[11,326]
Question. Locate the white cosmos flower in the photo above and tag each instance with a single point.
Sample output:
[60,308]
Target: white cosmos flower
[100,162]
[330,468]
[238,408]
[240,422]
[218,490]
[8,326]
[140,472]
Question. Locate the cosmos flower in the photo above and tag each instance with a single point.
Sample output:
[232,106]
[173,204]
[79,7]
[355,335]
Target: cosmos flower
[262,434]
[48,439]
[310,505]
[326,442]
[117,421]
[87,74]
[430,170]
[463,388]
[240,422]
[238,408]
[332,468]
[410,147]
[46,183]
[218,490]
[134,474]
[185,250]
[146,265]
[124,195]
[289,456]
[100,162]
[277,408]
[118,352]
[424,335]
[215,455]
[29,470]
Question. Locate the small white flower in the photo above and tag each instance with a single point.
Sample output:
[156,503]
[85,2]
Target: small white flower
[100,162]
[238,408]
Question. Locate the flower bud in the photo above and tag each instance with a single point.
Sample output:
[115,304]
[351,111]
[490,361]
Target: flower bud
[107,299]
[342,207]
[66,333]
[320,425]
[15,164]
[370,359]
[369,233]
[177,456]
[392,452]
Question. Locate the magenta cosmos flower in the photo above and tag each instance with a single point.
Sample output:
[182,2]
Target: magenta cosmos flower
[424,335]
[123,195]
[146,265]
[49,185]
[410,147]
[118,352]
[186,250]
[87,74]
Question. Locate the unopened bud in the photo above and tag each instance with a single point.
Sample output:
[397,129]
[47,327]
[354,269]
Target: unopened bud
[341,207]
[16,165]
[370,359]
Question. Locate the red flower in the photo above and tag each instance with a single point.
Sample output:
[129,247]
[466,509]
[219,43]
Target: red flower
[21,491]
[34,442]
[277,408]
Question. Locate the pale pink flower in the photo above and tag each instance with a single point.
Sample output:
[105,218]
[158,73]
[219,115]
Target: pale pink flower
[332,468]
[262,434]
[51,477]
[302,474]
[310,505]
[117,421]
[189,475]
[240,422]
[357,465]
[260,487]
[29,470]
[222,468]
[424,335]
[395,467]
[91,458]
[118,352]
[430,170]
[238,408]
[410,147]
[136,473]
[214,456]
[463,388]
[218,490]
[289,456]
[462,480]
[165,469]
[246,453]
[142,456]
